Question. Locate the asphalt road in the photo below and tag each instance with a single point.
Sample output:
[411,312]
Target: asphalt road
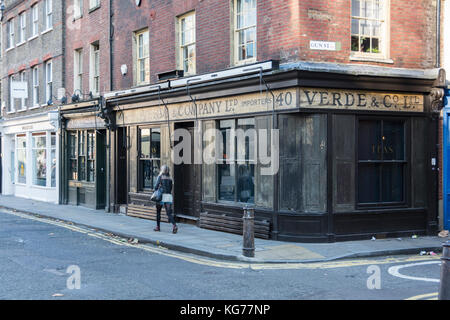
[42,260]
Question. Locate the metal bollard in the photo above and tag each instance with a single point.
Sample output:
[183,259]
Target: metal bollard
[444,291]
[248,249]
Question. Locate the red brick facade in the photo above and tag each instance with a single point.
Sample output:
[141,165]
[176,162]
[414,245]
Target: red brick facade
[91,27]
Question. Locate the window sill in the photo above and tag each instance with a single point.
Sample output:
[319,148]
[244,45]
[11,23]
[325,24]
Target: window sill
[21,110]
[42,187]
[34,37]
[245,62]
[371,59]
[11,112]
[94,8]
[10,49]
[77,18]
[20,44]
[34,107]
[47,31]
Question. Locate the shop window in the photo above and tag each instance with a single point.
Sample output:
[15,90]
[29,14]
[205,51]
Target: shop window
[381,161]
[39,156]
[72,155]
[21,153]
[53,159]
[236,169]
[149,157]
[91,157]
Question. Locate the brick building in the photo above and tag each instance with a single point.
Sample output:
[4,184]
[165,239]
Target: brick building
[351,86]
[31,74]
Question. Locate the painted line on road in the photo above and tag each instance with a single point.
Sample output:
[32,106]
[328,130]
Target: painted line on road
[223,264]
[427,296]
[395,271]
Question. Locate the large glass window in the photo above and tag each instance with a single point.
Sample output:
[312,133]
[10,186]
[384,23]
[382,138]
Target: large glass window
[81,155]
[53,159]
[149,156]
[21,153]
[72,156]
[245,30]
[381,161]
[39,155]
[236,169]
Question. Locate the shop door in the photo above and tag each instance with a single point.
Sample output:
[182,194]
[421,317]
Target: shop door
[101,169]
[187,181]
[446,173]
[122,181]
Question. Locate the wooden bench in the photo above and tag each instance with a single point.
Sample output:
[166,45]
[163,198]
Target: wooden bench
[230,224]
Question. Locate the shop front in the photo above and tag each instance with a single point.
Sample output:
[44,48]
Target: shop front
[321,157]
[30,157]
[84,156]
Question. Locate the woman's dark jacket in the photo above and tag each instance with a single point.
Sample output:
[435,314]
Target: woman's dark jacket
[166,183]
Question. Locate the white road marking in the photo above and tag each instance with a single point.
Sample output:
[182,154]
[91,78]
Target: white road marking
[395,271]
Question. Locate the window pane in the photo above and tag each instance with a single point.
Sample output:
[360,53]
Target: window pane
[227,182]
[394,140]
[355,26]
[145,143]
[156,143]
[355,43]
[368,183]
[21,165]
[369,140]
[246,186]
[82,168]
[73,168]
[392,178]
[246,143]
[355,7]
[40,167]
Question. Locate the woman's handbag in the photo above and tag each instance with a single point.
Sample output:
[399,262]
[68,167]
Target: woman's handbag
[157,195]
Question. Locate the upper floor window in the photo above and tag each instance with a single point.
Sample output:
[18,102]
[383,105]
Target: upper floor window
[35,20]
[78,70]
[244,31]
[94,4]
[35,76]
[95,69]
[11,34]
[49,14]
[23,101]
[142,57]
[77,8]
[369,27]
[187,43]
[48,81]
[23,27]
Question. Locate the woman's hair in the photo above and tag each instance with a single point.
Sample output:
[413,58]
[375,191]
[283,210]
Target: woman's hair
[164,171]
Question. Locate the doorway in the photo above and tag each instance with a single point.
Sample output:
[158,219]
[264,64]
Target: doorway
[121,171]
[187,179]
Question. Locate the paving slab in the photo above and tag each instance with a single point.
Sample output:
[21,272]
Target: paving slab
[220,245]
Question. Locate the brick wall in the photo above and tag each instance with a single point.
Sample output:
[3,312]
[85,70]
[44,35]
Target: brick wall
[284,31]
[81,33]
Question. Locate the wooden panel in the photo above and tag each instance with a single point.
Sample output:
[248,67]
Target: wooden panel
[264,183]
[232,224]
[419,162]
[343,163]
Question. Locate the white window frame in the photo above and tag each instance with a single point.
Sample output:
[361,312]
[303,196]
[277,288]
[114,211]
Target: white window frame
[236,31]
[48,81]
[184,45]
[11,107]
[23,103]
[11,34]
[383,44]
[35,20]
[22,27]
[35,94]
[48,14]
[94,78]
[142,56]
[77,9]
[78,70]
[94,4]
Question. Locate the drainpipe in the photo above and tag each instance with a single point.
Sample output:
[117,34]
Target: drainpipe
[111,85]
[438,34]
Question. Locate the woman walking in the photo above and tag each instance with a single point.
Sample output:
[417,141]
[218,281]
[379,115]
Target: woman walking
[164,181]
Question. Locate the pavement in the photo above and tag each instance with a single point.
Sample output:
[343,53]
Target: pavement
[219,245]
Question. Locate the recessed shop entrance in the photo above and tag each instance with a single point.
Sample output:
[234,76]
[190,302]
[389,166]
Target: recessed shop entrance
[187,177]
